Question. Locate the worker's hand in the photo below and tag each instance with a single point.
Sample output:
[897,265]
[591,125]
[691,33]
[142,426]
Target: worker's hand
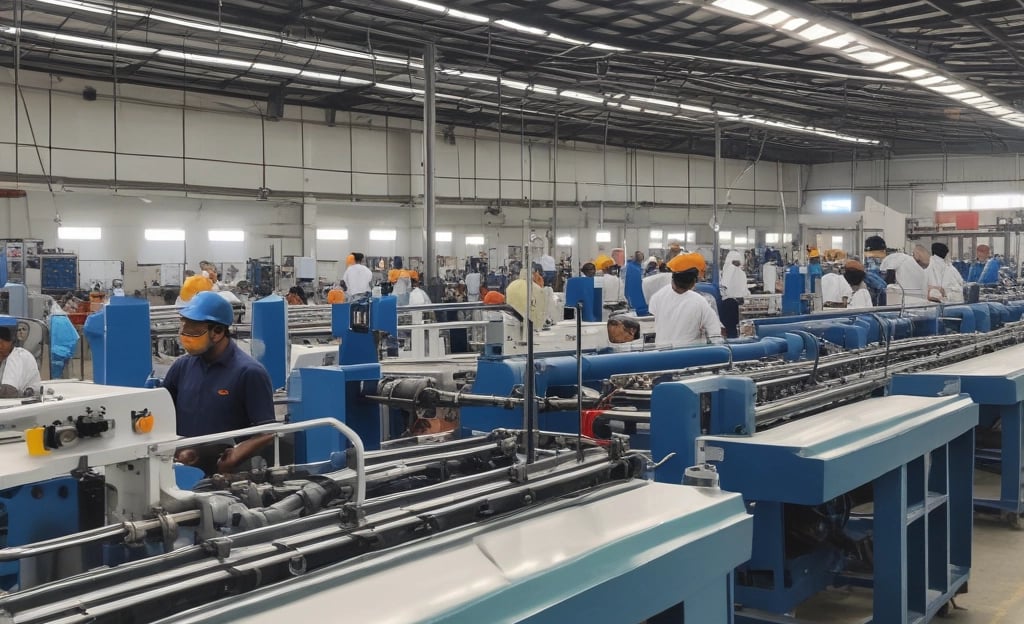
[227,463]
[188,456]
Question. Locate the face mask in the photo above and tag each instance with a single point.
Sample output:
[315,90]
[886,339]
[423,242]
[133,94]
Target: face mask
[196,345]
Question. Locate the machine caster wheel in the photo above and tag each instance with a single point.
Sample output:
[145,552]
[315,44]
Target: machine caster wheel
[1012,519]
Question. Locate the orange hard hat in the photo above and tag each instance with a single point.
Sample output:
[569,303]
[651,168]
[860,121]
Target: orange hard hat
[686,261]
[335,295]
[494,297]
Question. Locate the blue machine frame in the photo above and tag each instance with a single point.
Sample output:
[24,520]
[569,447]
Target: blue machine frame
[915,453]
[996,382]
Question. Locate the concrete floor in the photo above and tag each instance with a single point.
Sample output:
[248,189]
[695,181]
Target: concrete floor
[996,593]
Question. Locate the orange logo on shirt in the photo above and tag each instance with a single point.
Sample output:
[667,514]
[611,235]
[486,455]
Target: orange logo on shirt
[223,392]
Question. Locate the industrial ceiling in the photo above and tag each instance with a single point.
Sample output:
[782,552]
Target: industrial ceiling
[792,81]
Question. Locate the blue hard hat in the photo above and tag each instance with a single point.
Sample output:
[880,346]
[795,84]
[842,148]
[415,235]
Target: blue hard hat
[210,307]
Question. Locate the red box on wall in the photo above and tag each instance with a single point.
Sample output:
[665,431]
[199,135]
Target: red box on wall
[961,220]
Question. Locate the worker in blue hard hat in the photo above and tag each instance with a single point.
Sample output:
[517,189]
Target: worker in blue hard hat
[217,387]
[19,373]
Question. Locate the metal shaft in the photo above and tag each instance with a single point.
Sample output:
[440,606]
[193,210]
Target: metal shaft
[429,137]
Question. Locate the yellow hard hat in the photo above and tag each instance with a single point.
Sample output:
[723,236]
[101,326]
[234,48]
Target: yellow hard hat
[686,261]
[814,253]
[194,285]
[602,262]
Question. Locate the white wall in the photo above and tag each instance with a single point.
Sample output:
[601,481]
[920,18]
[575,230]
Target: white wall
[913,185]
[199,160]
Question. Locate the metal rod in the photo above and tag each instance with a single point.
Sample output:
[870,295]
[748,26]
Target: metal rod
[554,185]
[429,139]
[715,245]
[529,392]
[579,380]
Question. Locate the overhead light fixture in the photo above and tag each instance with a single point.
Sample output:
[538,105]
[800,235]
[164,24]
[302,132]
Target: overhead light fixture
[774,18]
[603,236]
[430,6]
[564,241]
[523,28]
[558,37]
[966,95]
[871,57]
[815,32]
[837,42]
[605,46]
[974,101]
[332,234]
[743,7]
[931,80]
[892,67]
[469,17]
[793,24]
[915,73]
[648,100]
[583,97]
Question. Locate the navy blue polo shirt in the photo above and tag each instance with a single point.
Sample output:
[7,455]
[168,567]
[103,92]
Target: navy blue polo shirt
[232,392]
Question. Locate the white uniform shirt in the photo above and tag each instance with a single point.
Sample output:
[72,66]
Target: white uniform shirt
[940,274]
[20,371]
[472,286]
[683,318]
[611,287]
[418,296]
[861,298]
[653,283]
[733,281]
[357,278]
[909,274]
[546,262]
[834,287]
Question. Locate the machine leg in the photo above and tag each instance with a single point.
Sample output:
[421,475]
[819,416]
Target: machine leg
[1010,484]
[890,547]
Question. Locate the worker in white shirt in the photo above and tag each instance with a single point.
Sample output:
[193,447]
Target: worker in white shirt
[733,286]
[681,315]
[944,282]
[547,269]
[19,373]
[357,278]
[472,281]
[854,274]
[418,296]
[835,291]
[897,268]
[611,285]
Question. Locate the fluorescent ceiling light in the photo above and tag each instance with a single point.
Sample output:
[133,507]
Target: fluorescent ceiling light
[915,73]
[684,237]
[79,233]
[515,84]
[280,69]
[924,82]
[977,100]
[743,7]
[564,241]
[647,100]
[583,97]
[164,235]
[78,6]
[871,57]
[697,109]
[773,18]
[815,32]
[523,28]
[837,42]
[383,235]
[442,237]
[966,95]
[226,236]
[892,67]
[603,236]
[469,17]
[605,46]
[558,37]
[950,88]
[475,239]
[337,234]
[430,6]
[398,88]
[793,24]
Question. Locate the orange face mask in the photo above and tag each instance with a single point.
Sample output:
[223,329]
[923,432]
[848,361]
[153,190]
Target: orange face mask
[196,345]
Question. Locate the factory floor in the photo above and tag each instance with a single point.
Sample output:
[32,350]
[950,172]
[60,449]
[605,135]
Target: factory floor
[996,593]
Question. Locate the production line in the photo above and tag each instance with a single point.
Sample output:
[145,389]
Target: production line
[719,410]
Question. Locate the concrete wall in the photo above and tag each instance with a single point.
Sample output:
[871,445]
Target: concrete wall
[165,158]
